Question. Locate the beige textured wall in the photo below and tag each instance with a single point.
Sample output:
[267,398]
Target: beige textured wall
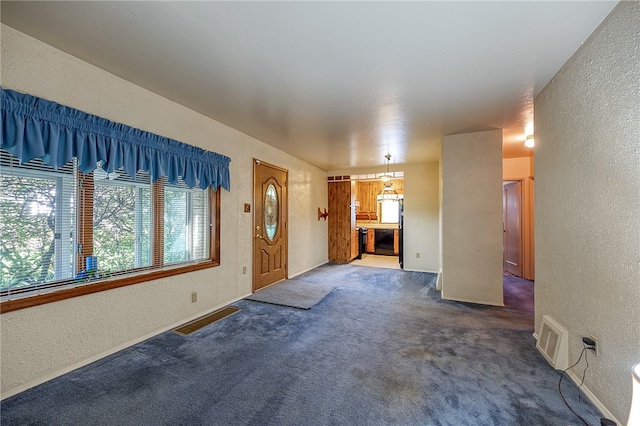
[421,222]
[516,168]
[587,204]
[44,341]
[472,217]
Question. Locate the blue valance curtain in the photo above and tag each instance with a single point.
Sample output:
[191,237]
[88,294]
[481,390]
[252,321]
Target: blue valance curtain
[36,128]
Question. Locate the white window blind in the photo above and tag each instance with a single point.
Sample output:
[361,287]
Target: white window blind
[61,228]
[122,217]
[186,223]
[37,223]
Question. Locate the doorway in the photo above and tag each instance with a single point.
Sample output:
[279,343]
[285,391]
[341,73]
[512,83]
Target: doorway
[512,227]
[383,220]
[270,251]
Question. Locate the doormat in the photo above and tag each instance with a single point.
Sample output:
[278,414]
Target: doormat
[294,293]
[197,324]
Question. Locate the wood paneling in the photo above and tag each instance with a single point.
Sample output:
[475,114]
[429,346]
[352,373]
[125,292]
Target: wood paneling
[342,221]
[354,243]
[367,193]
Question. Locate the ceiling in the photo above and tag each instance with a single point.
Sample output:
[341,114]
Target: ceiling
[337,84]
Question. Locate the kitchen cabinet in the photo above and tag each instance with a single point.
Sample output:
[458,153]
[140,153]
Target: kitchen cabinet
[396,242]
[367,195]
[354,243]
[371,240]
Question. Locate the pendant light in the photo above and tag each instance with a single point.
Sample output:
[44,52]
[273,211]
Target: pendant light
[387,193]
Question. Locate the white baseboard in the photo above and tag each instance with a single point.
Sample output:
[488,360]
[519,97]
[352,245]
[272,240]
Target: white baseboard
[420,270]
[307,270]
[591,397]
[40,380]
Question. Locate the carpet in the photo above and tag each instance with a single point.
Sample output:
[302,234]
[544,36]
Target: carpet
[383,349]
[294,293]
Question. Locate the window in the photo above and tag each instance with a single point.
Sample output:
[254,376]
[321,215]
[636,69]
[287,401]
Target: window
[52,220]
[185,224]
[37,209]
[389,211]
[121,220]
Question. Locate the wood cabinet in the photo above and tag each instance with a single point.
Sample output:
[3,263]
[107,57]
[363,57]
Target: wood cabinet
[367,195]
[396,242]
[371,240]
[342,222]
[354,243]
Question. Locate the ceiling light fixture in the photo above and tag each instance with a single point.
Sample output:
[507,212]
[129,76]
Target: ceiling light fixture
[529,142]
[387,176]
[387,193]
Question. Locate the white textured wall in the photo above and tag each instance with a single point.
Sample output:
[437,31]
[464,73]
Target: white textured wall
[516,168]
[421,223]
[472,217]
[588,203]
[421,213]
[44,341]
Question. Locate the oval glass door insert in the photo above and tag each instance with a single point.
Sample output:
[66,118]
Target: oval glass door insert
[271,211]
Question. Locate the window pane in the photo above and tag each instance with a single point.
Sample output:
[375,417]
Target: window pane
[121,221]
[271,211]
[186,219]
[389,211]
[37,223]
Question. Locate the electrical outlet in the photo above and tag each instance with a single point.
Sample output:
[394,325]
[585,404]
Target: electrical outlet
[244,270]
[194,296]
[417,255]
[597,346]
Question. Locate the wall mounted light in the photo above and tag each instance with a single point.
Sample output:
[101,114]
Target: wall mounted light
[529,142]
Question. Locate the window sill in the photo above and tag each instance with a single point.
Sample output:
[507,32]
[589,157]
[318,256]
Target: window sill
[27,301]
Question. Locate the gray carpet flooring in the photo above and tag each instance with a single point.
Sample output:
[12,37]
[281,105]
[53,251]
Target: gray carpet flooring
[380,349]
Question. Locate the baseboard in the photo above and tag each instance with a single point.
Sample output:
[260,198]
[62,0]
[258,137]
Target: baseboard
[87,361]
[587,392]
[307,270]
[420,270]
[591,397]
[477,302]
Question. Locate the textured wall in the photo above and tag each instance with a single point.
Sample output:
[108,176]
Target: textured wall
[588,203]
[45,341]
[472,217]
[516,168]
[421,222]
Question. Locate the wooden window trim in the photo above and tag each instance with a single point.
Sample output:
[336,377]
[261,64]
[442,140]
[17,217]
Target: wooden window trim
[117,282]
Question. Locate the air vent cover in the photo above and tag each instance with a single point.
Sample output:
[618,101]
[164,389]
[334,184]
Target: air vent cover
[553,343]
[197,324]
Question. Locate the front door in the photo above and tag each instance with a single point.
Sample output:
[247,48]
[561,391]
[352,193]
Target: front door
[512,227]
[269,224]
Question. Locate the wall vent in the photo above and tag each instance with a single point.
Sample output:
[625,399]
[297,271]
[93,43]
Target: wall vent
[553,343]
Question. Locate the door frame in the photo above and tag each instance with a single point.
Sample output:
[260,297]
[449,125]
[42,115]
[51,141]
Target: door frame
[520,231]
[526,225]
[285,219]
